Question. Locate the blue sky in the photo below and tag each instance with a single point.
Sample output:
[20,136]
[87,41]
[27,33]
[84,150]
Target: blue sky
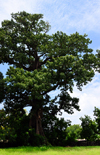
[68,16]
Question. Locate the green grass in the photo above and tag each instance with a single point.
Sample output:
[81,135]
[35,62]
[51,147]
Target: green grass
[89,150]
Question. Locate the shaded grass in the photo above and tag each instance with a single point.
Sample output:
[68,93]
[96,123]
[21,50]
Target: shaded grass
[88,150]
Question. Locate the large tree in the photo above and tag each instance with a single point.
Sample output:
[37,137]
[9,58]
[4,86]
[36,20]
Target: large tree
[41,63]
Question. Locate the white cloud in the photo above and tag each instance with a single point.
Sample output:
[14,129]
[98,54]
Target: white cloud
[8,6]
[67,16]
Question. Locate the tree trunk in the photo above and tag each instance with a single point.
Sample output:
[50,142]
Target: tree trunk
[35,121]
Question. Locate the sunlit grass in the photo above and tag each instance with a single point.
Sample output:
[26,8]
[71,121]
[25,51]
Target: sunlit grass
[89,150]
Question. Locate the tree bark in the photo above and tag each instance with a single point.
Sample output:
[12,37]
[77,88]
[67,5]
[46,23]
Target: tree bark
[35,121]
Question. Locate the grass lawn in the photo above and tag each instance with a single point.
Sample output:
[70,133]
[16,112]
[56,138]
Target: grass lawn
[86,150]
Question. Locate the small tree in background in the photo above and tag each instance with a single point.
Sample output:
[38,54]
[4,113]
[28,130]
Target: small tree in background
[97,119]
[73,132]
[89,128]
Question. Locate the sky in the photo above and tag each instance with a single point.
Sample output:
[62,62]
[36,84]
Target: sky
[68,16]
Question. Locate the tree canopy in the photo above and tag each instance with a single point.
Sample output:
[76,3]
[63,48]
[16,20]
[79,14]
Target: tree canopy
[89,128]
[73,132]
[41,63]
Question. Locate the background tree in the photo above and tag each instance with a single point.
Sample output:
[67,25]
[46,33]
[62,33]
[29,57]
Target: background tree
[97,119]
[41,63]
[73,132]
[89,128]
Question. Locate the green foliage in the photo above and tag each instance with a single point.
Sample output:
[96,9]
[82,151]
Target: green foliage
[98,62]
[19,121]
[6,132]
[35,139]
[14,127]
[97,119]
[41,63]
[89,128]
[55,130]
[73,132]
[44,61]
